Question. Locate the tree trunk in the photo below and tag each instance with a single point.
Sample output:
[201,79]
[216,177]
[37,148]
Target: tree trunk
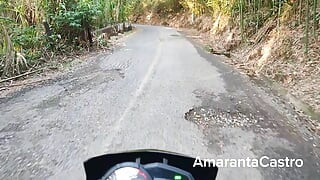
[89,35]
[118,11]
[47,28]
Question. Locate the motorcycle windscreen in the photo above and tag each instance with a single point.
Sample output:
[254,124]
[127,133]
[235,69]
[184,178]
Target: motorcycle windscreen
[97,167]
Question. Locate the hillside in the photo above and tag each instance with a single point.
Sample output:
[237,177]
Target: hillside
[282,48]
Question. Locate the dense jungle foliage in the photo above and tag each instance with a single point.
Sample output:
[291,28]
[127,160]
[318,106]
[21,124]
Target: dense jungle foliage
[31,30]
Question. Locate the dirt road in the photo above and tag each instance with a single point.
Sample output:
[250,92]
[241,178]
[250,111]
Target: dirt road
[157,91]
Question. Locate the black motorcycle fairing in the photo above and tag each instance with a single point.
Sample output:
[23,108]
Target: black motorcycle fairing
[97,167]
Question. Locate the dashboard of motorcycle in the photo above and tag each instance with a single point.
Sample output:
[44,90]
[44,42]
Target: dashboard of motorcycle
[146,165]
[152,171]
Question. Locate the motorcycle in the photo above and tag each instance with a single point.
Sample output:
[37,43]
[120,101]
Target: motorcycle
[146,165]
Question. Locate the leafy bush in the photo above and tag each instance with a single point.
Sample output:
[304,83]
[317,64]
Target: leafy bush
[72,22]
[24,40]
[28,41]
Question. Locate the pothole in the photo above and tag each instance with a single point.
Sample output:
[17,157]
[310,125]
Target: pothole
[207,117]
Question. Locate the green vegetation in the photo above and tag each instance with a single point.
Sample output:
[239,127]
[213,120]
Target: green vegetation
[32,31]
[248,15]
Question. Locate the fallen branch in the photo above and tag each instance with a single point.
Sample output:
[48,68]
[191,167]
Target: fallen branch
[20,75]
[265,31]
[225,53]
[3,88]
[22,84]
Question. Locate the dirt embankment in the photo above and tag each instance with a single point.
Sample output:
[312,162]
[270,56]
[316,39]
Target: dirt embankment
[274,53]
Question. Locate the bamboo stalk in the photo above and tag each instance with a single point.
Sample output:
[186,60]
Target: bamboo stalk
[307,28]
[300,11]
[241,20]
[314,14]
[279,13]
